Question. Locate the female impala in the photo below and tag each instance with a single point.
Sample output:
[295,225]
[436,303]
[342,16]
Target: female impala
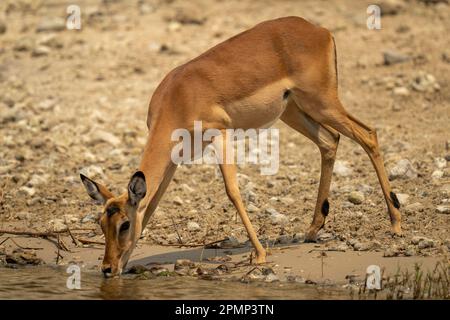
[280,69]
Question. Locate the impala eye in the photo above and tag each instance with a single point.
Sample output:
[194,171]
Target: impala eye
[125,226]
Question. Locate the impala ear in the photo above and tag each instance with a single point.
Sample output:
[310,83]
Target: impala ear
[95,190]
[137,188]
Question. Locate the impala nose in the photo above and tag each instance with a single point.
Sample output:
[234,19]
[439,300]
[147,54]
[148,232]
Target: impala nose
[106,270]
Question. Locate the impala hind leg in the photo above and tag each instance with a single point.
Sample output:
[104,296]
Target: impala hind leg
[327,140]
[229,173]
[333,114]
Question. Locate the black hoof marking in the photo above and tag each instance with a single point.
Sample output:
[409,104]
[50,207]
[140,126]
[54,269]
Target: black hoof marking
[395,200]
[286,94]
[310,240]
[325,207]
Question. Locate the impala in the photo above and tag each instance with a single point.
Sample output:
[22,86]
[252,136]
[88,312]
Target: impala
[280,69]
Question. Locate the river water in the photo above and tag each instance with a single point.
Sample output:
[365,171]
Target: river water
[51,283]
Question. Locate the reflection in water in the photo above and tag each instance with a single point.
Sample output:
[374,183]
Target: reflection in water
[50,283]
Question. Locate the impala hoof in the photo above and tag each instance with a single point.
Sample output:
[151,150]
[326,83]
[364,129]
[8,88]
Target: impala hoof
[311,236]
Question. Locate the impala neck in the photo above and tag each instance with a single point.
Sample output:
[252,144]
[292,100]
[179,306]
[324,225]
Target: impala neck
[158,168]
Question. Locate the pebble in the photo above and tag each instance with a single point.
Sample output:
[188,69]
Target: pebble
[401,91]
[276,217]
[177,200]
[426,243]
[284,239]
[403,198]
[40,51]
[287,201]
[51,24]
[193,226]
[414,207]
[341,169]
[362,246]
[441,163]
[252,208]
[425,82]
[89,218]
[27,191]
[403,170]
[389,253]
[57,225]
[356,197]
[103,136]
[443,209]
[3,27]
[392,57]
[299,237]
[437,174]
[92,171]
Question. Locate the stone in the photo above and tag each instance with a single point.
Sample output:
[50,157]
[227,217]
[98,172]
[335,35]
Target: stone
[57,225]
[53,24]
[341,169]
[416,239]
[437,174]
[287,201]
[392,57]
[3,27]
[402,198]
[299,237]
[356,197]
[27,191]
[92,171]
[193,226]
[277,218]
[389,253]
[404,169]
[187,188]
[414,207]
[426,243]
[443,209]
[50,41]
[271,277]
[103,136]
[252,208]
[362,246]
[89,218]
[40,51]
[325,236]
[390,7]
[178,201]
[441,163]
[425,82]
[37,180]
[284,239]
[401,91]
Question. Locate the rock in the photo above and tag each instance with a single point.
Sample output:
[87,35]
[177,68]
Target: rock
[356,197]
[392,57]
[187,188]
[137,269]
[341,169]
[389,253]
[414,207]
[325,236]
[391,7]
[425,82]
[284,239]
[178,201]
[403,170]
[184,267]
[40,51]
[37,180]
[271,277]
[287,201]
[410,251]
[3,27]
[362,246]
[21,257]
[401,91]
[103,136]
[23,44]
[190,15]
[92,171]
[403,198]
[276,217]
[230,243]
[441,163]
[193,226]
[46,105]
[416,239]
[443,209]
[437,174]
[27,191]
[252,208]
[51,24]
[50,41]
[89,218]
[70,218]
[426,243]
[299,237]
[57,225]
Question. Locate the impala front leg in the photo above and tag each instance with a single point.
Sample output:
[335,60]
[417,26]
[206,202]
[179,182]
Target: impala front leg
[229,174]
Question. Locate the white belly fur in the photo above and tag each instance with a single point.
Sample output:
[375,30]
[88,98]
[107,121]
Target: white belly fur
[261,109]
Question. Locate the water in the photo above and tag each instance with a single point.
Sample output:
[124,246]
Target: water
[50,283]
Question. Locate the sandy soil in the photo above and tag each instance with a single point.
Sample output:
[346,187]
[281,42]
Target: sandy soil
[76,101]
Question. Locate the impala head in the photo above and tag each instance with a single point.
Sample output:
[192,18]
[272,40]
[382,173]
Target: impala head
[119,221]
